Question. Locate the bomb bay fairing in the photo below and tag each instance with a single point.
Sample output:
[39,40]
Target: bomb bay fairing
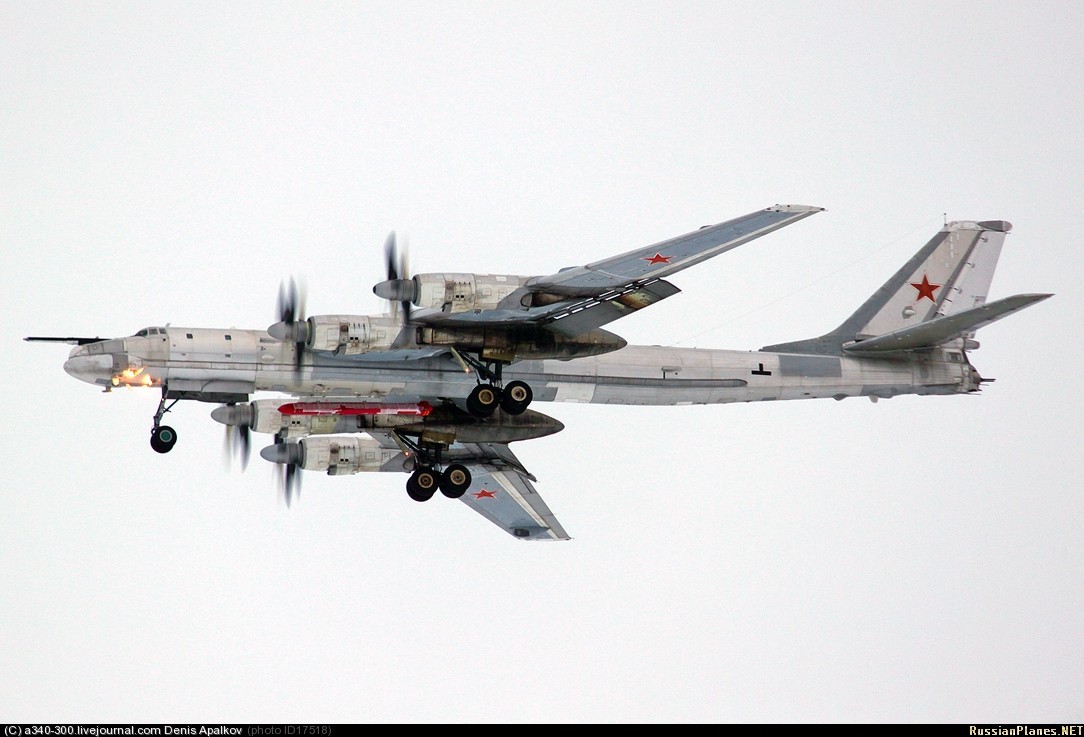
[440,387]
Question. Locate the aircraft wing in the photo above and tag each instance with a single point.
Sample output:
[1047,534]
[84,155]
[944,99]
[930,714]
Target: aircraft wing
[501,489]
[582,298]
[502,492]
[670,256]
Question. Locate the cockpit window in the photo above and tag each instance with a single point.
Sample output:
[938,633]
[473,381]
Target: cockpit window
[149,331]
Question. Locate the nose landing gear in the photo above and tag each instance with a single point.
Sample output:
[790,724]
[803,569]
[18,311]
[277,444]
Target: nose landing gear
[163,437]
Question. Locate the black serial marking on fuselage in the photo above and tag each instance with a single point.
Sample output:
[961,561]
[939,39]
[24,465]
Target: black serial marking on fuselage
[759,371]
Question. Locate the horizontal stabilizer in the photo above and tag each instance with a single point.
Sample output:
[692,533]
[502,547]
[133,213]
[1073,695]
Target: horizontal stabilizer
[943,329]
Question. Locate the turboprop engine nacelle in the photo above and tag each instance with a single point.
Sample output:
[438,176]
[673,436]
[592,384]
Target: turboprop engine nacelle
[524,342]
[348,335]
[451,292]
[338,456]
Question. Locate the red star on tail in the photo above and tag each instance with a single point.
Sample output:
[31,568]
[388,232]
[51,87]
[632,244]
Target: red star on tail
[925,289]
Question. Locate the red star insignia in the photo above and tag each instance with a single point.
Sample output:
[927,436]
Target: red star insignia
[925,289]
[485,493]
[658,258]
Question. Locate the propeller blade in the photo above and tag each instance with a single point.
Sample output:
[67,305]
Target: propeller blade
[399,288]
[244,445]
[237,443]
[291,325]
[288,479]
[391,256]
[292,486]
[291,302]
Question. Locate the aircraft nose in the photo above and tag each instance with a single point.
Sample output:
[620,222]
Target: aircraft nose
[96,369]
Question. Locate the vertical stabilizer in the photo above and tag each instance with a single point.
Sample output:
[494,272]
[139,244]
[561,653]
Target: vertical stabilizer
[952,273]
[949,275]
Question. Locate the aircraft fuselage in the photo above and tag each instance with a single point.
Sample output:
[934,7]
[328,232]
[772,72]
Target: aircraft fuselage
[227,365]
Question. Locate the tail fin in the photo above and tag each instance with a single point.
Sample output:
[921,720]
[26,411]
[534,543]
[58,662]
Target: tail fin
[936,297]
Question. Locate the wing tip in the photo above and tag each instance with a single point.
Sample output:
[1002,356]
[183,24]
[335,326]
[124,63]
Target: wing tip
[795,208]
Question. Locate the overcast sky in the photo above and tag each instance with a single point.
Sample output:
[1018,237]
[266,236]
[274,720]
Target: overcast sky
[916,560]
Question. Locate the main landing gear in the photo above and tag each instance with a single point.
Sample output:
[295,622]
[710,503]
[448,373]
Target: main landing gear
[163,437]
[453,482]
[428,476]
[513,398]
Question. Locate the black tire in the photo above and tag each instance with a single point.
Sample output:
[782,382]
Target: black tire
[422,484]
[455,481]
[483,400]
[163,438]
[516,398]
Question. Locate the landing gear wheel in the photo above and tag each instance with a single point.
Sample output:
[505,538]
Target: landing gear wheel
[422,484]
[455,481]
[517,396]
[483,400]
[163,438]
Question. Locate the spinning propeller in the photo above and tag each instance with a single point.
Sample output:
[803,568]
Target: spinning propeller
[238,419]
[238,444]
[287,457]
[399,288]
[291,325]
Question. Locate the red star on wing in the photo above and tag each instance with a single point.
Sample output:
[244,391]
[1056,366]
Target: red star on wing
[485,493]
[658,258]
[925,289]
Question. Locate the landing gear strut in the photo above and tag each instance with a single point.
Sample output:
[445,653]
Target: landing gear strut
[163,437]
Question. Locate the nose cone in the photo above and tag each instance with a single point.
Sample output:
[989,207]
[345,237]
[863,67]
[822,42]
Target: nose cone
[97,369]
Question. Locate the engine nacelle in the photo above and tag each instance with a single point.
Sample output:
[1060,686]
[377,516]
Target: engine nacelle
[464,292]
[350,334]
[524,342]
[341,456]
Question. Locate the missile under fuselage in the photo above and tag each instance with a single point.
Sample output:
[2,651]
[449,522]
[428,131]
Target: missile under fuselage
[443,421]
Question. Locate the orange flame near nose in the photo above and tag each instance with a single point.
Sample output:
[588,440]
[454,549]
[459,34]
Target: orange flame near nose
[132,377]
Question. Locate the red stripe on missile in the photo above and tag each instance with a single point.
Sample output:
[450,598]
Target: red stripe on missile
[419,409]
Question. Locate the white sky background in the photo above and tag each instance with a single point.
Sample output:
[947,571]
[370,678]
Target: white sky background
[916,560]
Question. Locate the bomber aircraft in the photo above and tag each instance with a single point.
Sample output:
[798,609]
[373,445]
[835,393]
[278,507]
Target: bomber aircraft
[439,386]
